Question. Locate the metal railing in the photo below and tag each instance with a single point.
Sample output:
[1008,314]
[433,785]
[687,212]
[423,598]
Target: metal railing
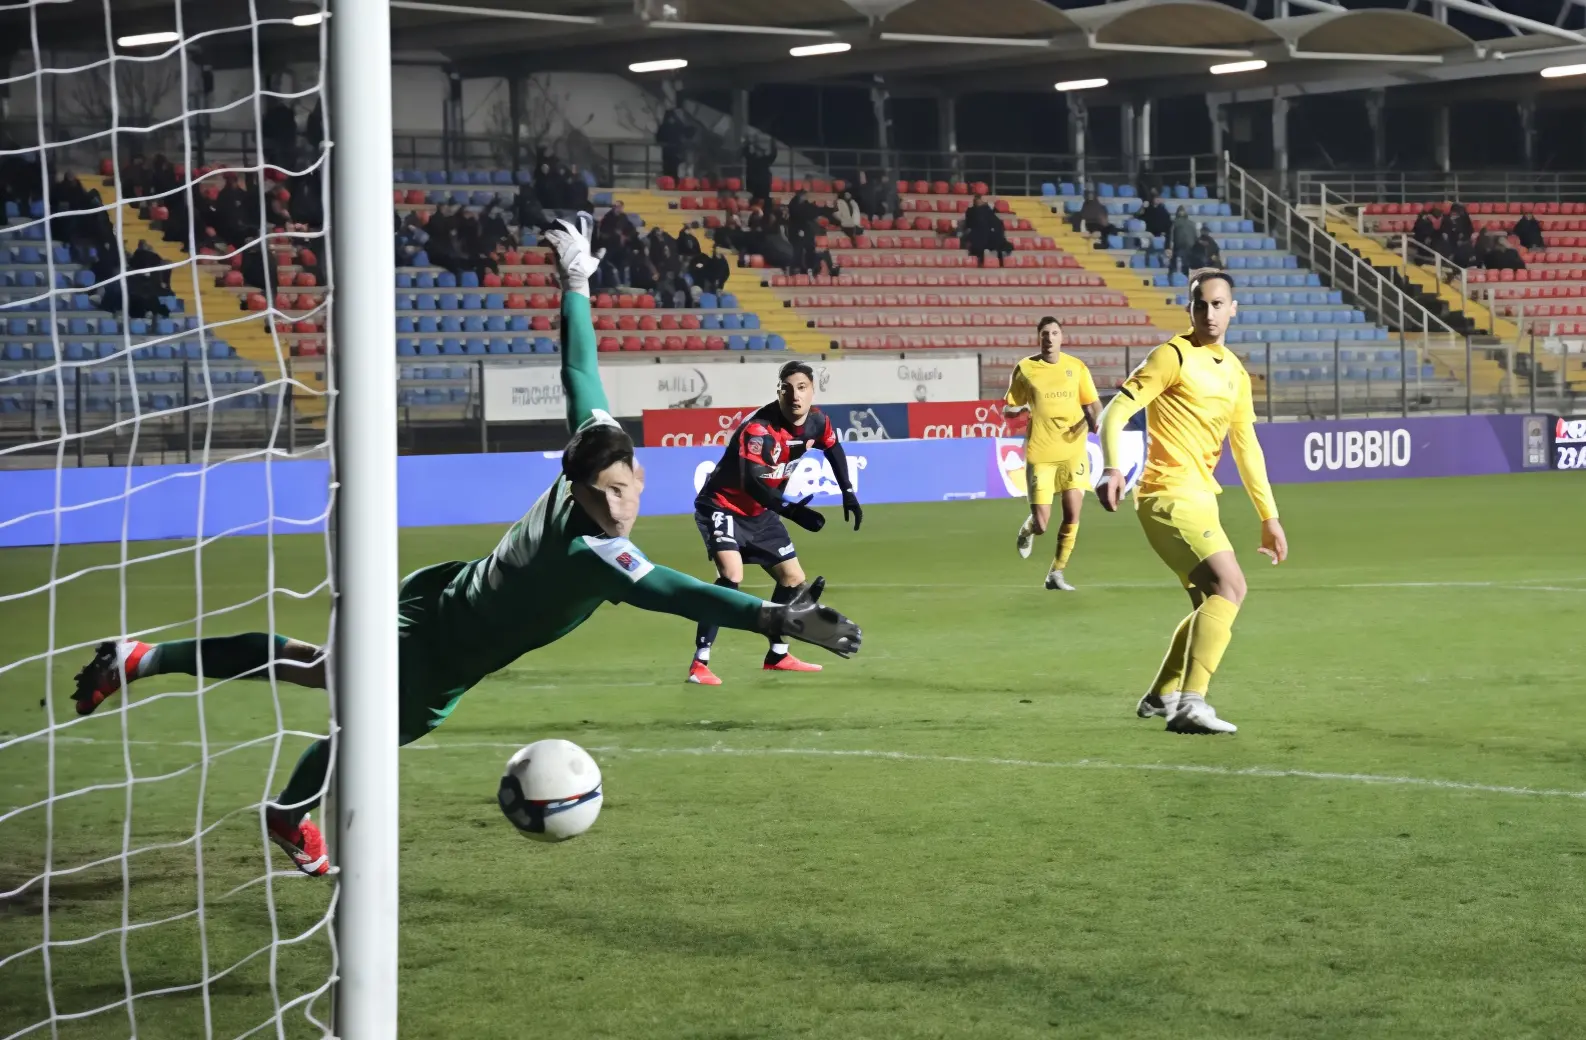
[1436,186]
[1423,338]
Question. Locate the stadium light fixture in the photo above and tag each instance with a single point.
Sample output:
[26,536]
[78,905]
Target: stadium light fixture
[810,50]
[1560,71]
[147,39]
[1080,84]
[303,21]
[1238,66]
[662,65]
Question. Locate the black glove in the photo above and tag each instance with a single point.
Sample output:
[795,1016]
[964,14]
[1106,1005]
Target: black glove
[851,508]
[800,513]
[805,619]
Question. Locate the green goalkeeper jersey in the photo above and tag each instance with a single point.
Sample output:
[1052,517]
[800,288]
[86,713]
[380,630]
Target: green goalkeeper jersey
[552,569]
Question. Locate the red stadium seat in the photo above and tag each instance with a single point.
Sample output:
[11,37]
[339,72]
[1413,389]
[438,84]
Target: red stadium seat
[688,184]
[734,184]
[673,343]
[939,187]
[608,343]
[305,280]
[693,343]
[513,281]
[652,343]
[632,343]
[921,187]
[232,280]
[647,302]
[648,323]
[491,280]
[665,183]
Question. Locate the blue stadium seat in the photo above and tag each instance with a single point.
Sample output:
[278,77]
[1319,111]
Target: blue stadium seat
[500,346]
[474,323]
[736,343]
[470,280]
[1048,189]
[520,345]
[496,323]
[544,345]
[407,348]
[452,347]
[451,323]
[472,301]
[404,324]
[429,348]
[446,280]
[495,301]
[447,301]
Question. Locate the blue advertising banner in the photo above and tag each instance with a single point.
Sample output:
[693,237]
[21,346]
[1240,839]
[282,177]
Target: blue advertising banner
[252,497]
[243,497]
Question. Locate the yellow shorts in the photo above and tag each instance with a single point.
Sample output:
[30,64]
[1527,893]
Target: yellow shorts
[1184,529]
[1043,481]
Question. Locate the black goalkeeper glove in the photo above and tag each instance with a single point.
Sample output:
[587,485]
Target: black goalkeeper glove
[800,513]
[806,619]
[851,510]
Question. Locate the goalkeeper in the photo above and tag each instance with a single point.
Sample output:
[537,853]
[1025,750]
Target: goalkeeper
[459,622]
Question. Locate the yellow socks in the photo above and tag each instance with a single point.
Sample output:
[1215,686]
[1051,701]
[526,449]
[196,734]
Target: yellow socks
[1171,674]
[1210,629]
[1066,536]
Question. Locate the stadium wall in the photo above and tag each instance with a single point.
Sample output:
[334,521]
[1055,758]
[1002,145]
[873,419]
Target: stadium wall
[96,505]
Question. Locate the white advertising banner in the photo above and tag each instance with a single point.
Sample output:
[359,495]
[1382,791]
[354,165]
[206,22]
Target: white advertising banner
[520,393]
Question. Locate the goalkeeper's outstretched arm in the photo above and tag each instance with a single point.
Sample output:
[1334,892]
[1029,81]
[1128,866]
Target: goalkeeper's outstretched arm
[580,369]
[804,618]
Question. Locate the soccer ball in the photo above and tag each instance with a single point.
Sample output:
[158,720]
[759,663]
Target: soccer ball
[551,790]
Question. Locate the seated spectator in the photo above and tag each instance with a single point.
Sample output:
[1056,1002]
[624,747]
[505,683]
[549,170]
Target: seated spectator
[710,273]
[848,214]
[576,191]
[1158,221]
[616,217]
[687,244]
[1093,217]
[1425,229]
[1205,252]
[1528,230]
[494,230]
[1463,253]
[1456,223]
[1181,239]
[981,230]
[1494,252]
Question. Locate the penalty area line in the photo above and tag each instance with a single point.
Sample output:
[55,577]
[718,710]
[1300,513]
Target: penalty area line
[1257,772]
[1232,772]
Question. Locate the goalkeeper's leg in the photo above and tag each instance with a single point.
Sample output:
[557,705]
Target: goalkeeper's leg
[252,655]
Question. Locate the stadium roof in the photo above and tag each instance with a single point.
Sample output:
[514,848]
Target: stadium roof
[1143,47]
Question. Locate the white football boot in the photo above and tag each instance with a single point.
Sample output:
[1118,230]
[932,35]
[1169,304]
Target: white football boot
[1055,582]
[1151,706]
[1193,715]
[1026,541]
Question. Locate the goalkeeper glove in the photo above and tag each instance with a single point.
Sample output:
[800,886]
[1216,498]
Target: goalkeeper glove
[806,619]
[575,259]
[800,513]
[851,508]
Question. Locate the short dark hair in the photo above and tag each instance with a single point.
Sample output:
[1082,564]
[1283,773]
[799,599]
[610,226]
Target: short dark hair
[793,368]
[594,448]
[1206,276]
[1044,322]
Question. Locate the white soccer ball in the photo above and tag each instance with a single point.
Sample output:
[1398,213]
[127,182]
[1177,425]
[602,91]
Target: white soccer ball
[551,790]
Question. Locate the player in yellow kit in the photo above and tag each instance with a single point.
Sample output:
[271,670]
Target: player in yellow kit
[1194,391]
[1057,391]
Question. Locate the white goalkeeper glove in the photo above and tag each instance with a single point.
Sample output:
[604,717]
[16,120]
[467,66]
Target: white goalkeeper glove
[576,261]
[806,619]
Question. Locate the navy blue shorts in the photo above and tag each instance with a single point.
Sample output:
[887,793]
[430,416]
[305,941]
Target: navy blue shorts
[761,540]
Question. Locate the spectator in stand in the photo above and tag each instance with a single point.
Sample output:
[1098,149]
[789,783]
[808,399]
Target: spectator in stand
[803,225]
[494,229]
[1528,231]
[1205,252]
[734,234]
[1093,218]
[134,176]
[1425,229]
[442,246]
[1180,241]
[548,187]
[687,244]
[710,273]
[277,213]
[981,230]
[757,163]
[1493,252]
[672,135]
[1158,221]
[848,214]
[279,131]
[867,194]
[473,250]
[1463,253]
[891,204]
[577,190]
[614,221]
[1456,223]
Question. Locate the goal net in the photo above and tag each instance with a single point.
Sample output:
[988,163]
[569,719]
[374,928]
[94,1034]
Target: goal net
[165,462]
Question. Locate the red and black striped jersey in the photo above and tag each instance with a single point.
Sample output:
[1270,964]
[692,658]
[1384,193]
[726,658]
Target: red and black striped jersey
[763,449]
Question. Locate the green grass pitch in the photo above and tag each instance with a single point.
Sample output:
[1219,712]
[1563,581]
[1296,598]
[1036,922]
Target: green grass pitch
[962,833]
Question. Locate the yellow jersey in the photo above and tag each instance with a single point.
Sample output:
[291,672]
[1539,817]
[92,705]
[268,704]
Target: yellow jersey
[1056,394]
[1194,396]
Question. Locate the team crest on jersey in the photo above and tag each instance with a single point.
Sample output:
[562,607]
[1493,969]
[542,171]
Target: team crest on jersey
[627,562]
[776,451]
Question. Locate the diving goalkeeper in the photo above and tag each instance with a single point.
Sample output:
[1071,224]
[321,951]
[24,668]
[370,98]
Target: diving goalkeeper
[458,622]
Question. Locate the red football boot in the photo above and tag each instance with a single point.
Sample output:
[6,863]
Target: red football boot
[101,677]
[788,663]
[304,843]
[699,672]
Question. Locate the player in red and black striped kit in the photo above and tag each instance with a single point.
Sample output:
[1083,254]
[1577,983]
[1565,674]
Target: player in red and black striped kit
[739,511]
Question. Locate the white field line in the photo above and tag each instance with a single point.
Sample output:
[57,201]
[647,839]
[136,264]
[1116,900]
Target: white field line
[1248,772]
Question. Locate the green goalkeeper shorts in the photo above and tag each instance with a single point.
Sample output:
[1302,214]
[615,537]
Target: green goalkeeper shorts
[428,689]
